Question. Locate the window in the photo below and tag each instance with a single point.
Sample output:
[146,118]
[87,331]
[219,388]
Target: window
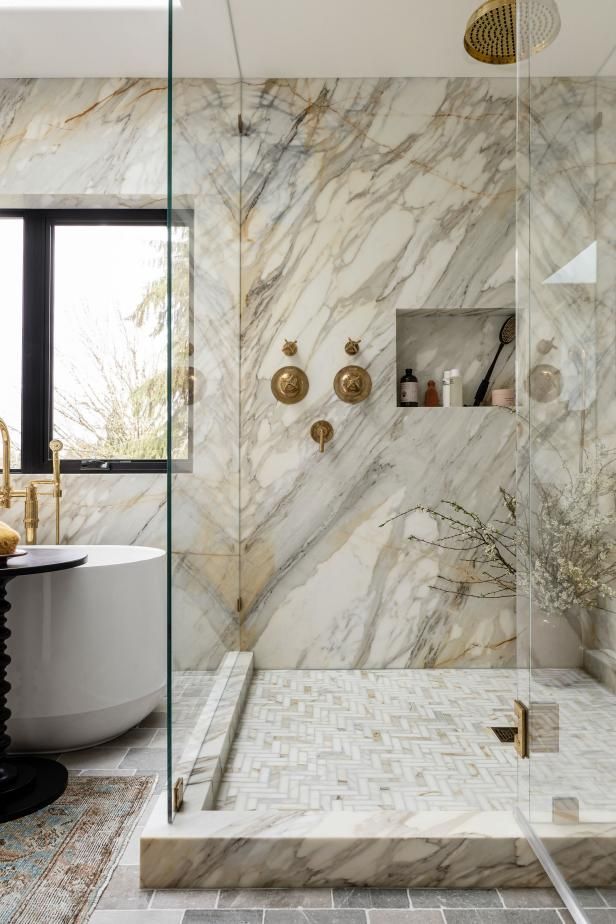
[86,294]
[11,266]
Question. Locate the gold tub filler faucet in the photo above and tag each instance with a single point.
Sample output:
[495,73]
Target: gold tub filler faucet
[31,492]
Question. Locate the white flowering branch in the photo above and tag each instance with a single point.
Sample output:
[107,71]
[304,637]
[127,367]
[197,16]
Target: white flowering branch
[563,547]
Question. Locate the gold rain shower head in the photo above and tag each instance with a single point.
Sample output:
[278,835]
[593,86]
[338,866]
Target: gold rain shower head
[491,37]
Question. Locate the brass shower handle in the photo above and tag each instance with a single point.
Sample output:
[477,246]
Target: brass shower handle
[321,431]
[353,384]
[289,384]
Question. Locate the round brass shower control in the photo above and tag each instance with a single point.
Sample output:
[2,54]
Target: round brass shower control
[353,384]
[290,384]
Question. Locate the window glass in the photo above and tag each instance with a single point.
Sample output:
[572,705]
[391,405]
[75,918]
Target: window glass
[110,341]
[11,319]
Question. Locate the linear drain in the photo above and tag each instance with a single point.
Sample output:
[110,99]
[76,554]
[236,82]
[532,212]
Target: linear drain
[504,733]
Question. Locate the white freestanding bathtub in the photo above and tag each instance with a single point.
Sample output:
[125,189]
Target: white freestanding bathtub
[87,648]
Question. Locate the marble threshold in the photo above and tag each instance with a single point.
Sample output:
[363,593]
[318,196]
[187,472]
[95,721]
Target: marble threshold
[271,848]
[205,753]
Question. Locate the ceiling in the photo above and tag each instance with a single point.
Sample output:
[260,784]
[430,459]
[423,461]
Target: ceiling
[290,38]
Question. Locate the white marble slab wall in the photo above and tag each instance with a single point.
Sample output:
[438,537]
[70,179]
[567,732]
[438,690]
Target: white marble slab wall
[361,198]
[103,143]
[557,222]
[604,619]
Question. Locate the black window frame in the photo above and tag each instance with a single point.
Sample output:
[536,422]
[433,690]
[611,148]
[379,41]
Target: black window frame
[37,337]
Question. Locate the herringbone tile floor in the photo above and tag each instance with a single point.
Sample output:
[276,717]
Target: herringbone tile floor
[359,739]
[413,740]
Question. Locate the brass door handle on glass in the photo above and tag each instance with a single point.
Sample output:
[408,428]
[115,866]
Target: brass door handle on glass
[290,384]
[321,432]
[353,384]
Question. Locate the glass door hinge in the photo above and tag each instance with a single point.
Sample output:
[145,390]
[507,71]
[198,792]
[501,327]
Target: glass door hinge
[520,742]
[178,793]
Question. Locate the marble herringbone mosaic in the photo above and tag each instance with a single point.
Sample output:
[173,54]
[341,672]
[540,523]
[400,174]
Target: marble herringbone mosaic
[413,740]
[393,739]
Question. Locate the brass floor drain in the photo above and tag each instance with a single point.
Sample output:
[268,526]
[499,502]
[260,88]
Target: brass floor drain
[504,733]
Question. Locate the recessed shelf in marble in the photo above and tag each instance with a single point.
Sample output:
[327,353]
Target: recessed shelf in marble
[431,341]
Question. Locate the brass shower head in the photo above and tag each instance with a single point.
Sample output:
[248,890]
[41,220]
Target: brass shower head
[492,34]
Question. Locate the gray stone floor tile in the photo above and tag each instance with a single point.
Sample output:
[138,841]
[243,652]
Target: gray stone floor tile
[370,898]
[184,898]
[147,760]
[116,771]
[589,898]
[601,915]
[228,916]
[402,916]
[105,758]
[531,898]
[154,720]
[136,917]
[455,898]
[309,916]
[275,898]
[502,916]
[123,892]
[609,896]
[135,738]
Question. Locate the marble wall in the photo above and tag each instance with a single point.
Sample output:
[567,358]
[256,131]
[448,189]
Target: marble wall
[567,168]
[103,143]
[362,198]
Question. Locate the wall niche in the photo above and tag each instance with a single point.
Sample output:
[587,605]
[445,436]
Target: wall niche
[429,342]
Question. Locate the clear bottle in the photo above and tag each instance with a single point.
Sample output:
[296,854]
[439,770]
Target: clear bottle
[409,390]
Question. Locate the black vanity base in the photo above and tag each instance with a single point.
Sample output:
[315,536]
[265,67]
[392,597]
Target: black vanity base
[28,784]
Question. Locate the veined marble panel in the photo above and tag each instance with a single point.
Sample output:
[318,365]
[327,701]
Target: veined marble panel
[361,198]
[310,849]
[103,143]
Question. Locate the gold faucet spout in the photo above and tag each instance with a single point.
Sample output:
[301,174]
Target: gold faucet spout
[5,489]
[31,518]
[31,492]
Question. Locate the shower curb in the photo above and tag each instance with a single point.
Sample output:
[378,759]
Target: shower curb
[336,849]
[209,849]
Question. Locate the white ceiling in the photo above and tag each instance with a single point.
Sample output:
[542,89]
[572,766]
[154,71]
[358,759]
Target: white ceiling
[290,38]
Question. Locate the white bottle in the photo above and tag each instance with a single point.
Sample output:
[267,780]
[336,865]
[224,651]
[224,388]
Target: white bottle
[446,388]
[455,389]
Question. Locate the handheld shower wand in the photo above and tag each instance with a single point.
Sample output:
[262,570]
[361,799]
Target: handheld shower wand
[506,336]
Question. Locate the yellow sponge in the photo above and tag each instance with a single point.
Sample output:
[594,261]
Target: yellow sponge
[9,539]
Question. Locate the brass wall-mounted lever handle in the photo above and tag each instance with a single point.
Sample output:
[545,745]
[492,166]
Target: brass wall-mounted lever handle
[321,432]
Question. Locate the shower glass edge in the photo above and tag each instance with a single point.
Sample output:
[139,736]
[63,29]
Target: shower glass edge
[169,476]
[203,243]
[559,441]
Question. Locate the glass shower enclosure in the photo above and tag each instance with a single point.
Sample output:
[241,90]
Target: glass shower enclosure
[310,568]
[566,476]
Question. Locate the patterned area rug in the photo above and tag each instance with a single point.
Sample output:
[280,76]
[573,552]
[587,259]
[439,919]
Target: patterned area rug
[54,863]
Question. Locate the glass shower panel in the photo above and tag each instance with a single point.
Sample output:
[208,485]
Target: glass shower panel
[203,386]
[566,450]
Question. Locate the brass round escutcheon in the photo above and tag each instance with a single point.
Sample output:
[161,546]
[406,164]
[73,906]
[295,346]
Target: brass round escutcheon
[290,384]
[353,384]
